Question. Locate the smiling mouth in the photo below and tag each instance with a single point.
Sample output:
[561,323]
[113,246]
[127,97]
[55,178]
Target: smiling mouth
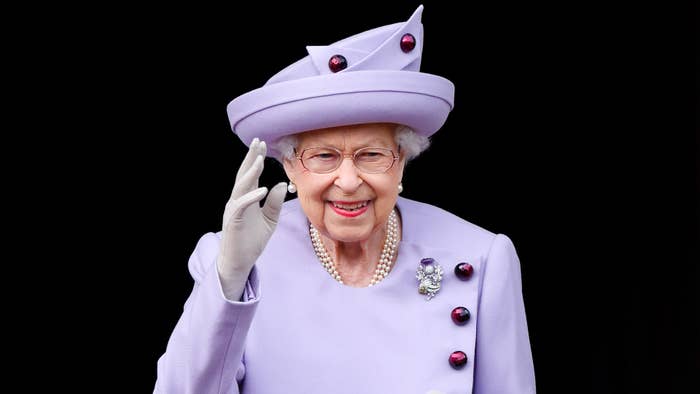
[350,206]
[350,209]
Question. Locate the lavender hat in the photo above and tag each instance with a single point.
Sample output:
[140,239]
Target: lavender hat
[369,77]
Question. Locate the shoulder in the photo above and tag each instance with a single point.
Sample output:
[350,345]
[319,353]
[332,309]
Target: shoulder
[292,219]
[291,208]
[427,223]
[204,255]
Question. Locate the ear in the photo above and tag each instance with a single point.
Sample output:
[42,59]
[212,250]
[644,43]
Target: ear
[289,168]
[401,164]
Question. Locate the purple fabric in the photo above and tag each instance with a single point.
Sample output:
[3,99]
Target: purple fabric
[299,331]
[380,84]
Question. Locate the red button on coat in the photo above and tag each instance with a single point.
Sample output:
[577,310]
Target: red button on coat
[458,359]
[460,315]
[464,271]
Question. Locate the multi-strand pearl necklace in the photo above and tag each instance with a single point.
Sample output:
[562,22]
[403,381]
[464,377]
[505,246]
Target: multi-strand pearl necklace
[385,260]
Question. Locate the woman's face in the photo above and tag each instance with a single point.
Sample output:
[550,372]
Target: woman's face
[347,205]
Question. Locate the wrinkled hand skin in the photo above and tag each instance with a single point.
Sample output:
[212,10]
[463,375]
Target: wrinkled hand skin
[247,227]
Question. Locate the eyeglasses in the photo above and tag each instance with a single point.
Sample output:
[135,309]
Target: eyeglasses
[322,160]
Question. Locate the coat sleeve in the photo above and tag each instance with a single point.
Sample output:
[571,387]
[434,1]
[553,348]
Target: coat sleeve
[205,350]
[503,360]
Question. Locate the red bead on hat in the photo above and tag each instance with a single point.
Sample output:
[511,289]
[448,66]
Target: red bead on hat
[337,63]
[408,42]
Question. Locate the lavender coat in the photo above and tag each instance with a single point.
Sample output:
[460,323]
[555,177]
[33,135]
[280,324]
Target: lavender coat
[299,331]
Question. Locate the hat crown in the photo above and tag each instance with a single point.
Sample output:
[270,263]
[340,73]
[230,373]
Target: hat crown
[371,77]
[375,49]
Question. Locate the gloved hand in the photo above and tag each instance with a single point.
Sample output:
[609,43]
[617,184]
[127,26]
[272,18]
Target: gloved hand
[247,227]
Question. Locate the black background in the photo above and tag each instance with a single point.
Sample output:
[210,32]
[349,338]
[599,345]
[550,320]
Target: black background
[574,133]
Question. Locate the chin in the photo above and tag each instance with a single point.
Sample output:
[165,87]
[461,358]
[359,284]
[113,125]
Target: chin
[349,234]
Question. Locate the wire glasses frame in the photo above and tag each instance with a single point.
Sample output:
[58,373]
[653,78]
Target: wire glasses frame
[370,160]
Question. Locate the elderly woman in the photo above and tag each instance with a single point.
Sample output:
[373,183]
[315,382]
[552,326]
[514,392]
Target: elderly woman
[348,288]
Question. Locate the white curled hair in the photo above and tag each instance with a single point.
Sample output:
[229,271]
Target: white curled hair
[410,143]
[283,148]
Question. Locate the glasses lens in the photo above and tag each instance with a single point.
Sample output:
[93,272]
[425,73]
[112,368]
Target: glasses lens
[374,160]
[320,159]
[370,160]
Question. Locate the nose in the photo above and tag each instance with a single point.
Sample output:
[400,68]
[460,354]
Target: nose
[347,176]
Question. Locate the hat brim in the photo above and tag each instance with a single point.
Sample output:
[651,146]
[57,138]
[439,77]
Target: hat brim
[418,100]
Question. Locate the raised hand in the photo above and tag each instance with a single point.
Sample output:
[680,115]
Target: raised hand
[246,226]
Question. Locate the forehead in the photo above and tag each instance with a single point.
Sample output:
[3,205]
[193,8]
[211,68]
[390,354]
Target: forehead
[363,134]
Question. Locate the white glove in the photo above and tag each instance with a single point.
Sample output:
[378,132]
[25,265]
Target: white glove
[246,226]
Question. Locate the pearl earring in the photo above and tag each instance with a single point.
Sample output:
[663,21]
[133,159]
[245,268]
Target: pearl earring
[400,187]
[292,188]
